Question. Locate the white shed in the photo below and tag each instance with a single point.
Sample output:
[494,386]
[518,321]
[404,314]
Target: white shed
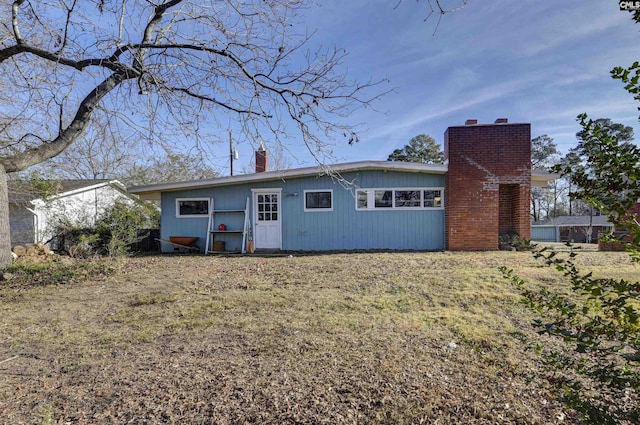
[33,216]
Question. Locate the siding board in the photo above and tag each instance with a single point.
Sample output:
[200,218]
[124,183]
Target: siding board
[545,234]
[344,228]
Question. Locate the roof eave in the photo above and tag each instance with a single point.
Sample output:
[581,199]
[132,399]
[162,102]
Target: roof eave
[152,192]
[542,178]
[113,183]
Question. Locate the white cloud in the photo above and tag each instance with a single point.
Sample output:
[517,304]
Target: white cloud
[532,61]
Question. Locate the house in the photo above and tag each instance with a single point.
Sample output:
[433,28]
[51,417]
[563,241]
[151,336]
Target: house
[481,193]
[571,228]
[35,209]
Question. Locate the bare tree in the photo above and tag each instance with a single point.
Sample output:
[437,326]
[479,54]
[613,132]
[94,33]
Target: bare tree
[544,154]
[167,69]
[439,8]
[171,167]
[104,151]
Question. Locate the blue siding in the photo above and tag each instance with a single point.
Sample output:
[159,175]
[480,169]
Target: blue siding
[545,233]
[344,228]
[230,197]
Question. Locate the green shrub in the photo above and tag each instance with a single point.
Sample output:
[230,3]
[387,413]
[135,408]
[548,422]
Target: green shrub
[597,368]
[118,226]
[113,234]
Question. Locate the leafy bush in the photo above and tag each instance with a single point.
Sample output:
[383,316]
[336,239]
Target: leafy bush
[598,366]
[113,234]
[118,226]
[513,242]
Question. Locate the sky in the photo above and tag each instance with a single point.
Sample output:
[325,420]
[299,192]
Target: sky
[533,61]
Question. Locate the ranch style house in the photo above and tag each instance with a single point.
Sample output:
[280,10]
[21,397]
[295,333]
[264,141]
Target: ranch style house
[480,193]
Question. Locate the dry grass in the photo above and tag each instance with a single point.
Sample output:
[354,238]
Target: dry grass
[335,339]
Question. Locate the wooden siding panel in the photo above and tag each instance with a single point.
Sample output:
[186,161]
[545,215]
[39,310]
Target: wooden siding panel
[545,234]
[224,198]
[344,228]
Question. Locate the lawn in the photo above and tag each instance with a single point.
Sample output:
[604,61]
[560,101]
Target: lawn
[347,338]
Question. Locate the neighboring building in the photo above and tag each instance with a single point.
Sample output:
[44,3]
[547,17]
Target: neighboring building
[482,193]
[34,214]
[571,228]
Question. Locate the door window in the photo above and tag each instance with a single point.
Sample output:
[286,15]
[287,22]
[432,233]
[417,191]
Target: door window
[268,207]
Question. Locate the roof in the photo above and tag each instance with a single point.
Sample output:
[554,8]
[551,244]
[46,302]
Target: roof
[575,220]
[24,191]
[152,192]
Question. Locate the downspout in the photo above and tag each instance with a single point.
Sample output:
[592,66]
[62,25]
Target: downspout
[95,207]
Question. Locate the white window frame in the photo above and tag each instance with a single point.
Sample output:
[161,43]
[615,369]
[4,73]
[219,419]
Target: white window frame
[371,205]
[179,200]
[304,200]
[441,189]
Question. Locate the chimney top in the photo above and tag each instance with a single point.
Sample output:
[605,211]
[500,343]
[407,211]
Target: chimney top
[261,159]
[470,122]
[502,121]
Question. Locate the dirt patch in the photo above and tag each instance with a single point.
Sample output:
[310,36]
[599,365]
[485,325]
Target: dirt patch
[338,339]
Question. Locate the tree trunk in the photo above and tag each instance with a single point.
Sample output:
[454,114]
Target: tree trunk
[570,200]
[535,210]
[555,199]
[5,234]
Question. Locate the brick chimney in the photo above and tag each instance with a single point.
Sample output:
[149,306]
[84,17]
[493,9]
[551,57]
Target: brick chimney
[488,184]
[261,159]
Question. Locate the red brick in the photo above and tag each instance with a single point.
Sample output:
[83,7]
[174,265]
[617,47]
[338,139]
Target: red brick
[488,184]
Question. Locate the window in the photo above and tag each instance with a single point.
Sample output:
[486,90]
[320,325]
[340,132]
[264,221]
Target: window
[407,198]
[192,207]
[432,198]
[268,207]
[318,200]
[362,199]
[413,198]
[383,199]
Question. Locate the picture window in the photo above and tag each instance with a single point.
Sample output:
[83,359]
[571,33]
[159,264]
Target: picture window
[192,207]
[318,200]
[407,199]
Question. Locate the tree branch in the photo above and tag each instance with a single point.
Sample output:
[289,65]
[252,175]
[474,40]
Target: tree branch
[67,136]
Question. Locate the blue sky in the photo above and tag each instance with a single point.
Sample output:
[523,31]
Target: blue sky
[541,62]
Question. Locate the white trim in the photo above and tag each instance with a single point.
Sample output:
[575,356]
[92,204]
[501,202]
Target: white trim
[115,184]
[304,200]
[178,215]
[370,191]
[267,190]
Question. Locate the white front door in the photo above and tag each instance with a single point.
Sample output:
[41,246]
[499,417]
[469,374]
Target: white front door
[267,232]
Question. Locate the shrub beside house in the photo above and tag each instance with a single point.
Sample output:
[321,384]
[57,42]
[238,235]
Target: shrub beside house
[38,209]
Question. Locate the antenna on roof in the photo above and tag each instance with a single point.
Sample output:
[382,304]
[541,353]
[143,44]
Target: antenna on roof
[232,153]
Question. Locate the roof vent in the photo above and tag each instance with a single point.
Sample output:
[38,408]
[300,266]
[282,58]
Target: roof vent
[470,122]
[502,121]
